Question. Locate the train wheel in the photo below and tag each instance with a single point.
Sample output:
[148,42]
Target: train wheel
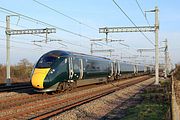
[61,87]
[70,86]
[44,93]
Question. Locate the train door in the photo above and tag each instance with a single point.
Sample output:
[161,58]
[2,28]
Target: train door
[71,72]
[111,69]
[135,69]
[81,69]
[119,68]
[115,68]
[78,68]
[145,69]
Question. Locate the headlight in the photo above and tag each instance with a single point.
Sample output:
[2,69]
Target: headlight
[52,71]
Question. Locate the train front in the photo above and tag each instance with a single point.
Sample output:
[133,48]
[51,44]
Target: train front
[41,77]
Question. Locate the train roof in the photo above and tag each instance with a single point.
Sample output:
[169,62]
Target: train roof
[68,53]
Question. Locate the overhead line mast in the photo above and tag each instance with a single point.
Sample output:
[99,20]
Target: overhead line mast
[107,40]
[166,58]
[156,45]
[141,29]
[10,32]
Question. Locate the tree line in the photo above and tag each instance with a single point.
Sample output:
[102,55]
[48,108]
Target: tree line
[19,73]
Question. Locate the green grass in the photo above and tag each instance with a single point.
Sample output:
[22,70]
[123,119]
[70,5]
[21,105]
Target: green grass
[154,105]
[146,111]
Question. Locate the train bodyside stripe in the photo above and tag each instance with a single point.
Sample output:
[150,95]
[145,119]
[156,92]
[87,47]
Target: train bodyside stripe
[38,77]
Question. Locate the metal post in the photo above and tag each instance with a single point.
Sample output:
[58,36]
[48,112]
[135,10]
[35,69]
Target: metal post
[166,58]
[8,78]
[156,47]
[106,37]
[46,35]
[91,48]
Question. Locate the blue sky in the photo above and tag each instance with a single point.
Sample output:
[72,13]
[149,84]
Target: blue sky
[94,13]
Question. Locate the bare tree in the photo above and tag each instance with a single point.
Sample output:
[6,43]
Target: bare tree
[24,62]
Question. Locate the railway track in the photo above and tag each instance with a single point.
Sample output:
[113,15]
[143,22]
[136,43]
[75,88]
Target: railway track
[86,98]
[14,87]
[12,101]
[49,107]
[17,100]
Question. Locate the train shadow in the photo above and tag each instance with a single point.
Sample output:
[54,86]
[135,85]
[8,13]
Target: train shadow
[24,87]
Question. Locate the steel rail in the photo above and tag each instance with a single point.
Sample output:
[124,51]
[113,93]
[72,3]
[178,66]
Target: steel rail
[57,106]
[60,110]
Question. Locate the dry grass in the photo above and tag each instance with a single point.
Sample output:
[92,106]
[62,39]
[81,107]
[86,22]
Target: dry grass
[19,73]
[177,72]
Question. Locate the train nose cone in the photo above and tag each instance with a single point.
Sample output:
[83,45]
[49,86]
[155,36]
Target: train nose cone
[38,77]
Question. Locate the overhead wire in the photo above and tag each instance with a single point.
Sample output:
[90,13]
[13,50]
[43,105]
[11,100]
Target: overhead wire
[42,36]
[120,48]
[132,22]
[128,46]
[43,46]
[22,27]
[142,12]
[44,23]
[53,38]
[67,16]
[3,39]
[20,43]
[2,27]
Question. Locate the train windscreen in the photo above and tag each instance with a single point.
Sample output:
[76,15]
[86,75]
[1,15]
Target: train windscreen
[47,60]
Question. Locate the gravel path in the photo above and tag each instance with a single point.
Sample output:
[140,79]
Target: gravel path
[7,95]
[98,108]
